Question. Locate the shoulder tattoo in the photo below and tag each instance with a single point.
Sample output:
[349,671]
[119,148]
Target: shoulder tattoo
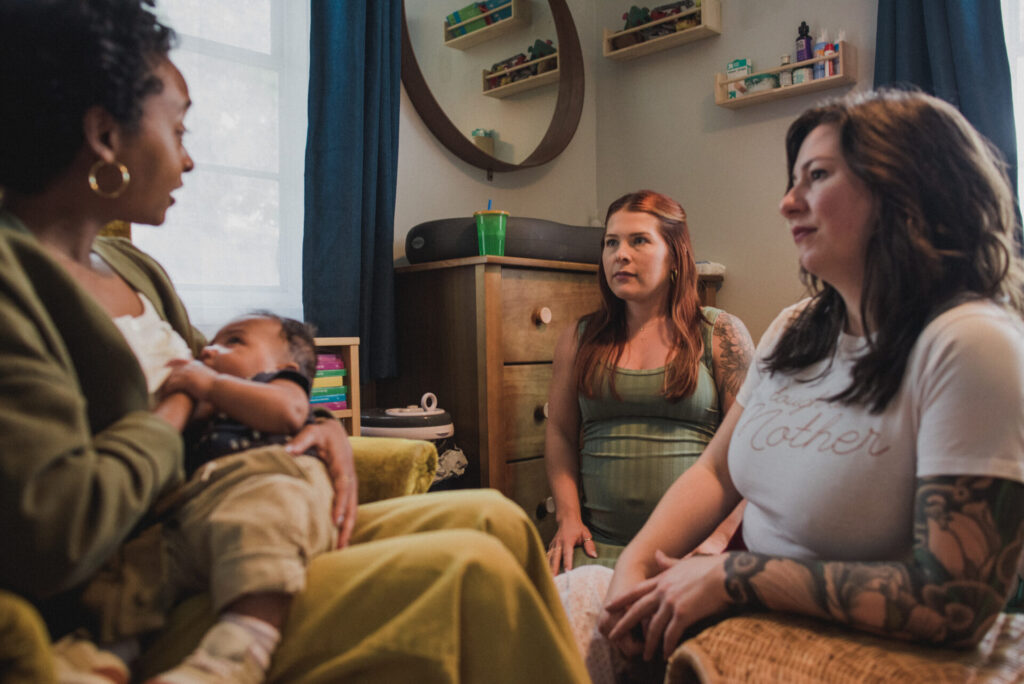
[735,352]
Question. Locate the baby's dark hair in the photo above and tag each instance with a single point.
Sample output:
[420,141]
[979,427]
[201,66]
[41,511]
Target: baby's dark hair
[299,337]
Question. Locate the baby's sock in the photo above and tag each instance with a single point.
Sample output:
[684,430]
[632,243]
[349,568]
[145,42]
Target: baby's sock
[265,636]
[237,650]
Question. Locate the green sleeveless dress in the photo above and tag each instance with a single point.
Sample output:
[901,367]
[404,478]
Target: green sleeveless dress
[633,449]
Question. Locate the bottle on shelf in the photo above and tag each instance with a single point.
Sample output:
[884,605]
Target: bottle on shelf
[820,48]
[830,65]
[803,42]
[803,51]
[786,75]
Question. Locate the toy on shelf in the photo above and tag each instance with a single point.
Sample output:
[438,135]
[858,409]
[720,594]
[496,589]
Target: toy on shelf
[508,63]
[542,48]
[667,10]
[638,17]
[518,66]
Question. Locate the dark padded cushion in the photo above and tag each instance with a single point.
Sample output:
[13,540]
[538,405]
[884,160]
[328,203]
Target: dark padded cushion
[454,238]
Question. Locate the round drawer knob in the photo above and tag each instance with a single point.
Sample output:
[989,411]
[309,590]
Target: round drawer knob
[545,508]
[541,412]
[542,316]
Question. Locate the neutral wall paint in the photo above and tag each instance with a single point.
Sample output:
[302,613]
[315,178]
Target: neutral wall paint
[658,127]
[455,77]
[433,183]
[652,122]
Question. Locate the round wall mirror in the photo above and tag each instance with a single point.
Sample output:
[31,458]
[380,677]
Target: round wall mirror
[568,105]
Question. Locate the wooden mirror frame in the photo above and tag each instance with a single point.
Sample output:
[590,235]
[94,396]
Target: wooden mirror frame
[568,107]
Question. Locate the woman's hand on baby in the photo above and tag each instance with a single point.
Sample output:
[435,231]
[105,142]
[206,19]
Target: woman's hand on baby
[567,538]
[682,593]
[191,377]
[330,440]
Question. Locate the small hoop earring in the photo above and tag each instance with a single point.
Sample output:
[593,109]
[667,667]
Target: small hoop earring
[113,194]
[673,274]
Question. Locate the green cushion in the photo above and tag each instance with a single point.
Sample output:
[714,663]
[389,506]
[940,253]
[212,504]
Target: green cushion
[24,643]
[389,466]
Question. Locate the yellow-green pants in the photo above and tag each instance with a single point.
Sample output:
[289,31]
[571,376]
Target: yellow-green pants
[444,587]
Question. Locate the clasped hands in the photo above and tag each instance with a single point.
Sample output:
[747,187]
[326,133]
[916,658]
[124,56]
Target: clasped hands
[661,608]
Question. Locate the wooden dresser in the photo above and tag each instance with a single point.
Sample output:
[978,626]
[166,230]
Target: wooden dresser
[480,332]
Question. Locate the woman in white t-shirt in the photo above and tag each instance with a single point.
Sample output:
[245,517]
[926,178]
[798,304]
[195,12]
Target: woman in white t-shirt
[879,437]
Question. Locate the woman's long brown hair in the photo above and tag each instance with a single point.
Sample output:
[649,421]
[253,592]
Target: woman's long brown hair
[604,334]
[943,227]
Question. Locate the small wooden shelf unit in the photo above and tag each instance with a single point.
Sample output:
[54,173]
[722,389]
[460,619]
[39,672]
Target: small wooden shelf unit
[348,349]
[528,83]
[710,25]
[846,74]
[520,17]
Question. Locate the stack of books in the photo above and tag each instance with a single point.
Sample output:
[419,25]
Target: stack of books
[329,388]
[464,14]
[474,10]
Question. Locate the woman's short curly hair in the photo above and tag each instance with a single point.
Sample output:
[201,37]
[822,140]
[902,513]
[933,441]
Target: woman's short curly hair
[61,57]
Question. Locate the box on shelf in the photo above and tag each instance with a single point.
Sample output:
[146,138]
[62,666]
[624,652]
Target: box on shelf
[738,67]
[756,84]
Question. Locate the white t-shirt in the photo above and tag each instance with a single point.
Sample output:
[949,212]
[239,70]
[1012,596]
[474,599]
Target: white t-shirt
[829,481]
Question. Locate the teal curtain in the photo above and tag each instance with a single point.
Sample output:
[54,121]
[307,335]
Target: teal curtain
[351,169]
[953,49]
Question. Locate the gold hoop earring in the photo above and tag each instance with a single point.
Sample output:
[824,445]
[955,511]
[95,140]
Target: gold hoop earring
[95,185]
[673,274]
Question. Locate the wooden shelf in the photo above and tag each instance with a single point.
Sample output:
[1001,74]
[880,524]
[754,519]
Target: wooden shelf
[710,25]
[520,17]
[528,83]
[348,349]
[847,74]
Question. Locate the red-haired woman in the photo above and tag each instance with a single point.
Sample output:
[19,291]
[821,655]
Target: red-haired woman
[639,386]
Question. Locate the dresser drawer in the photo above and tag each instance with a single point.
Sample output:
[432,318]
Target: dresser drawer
[524,396]
[527,485]
[537,305]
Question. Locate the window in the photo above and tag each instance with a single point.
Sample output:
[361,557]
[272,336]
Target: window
[233,240]
[1013,30]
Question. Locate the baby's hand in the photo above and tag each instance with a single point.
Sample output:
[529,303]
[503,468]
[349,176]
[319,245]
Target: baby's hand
[203,411]
[191,377]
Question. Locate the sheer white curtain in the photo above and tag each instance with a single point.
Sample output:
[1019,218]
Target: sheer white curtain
[233,240]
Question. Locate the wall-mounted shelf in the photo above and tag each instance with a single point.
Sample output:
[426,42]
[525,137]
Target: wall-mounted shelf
[846,74]
[348,349]
[528,83]
[520,17]
[709,12]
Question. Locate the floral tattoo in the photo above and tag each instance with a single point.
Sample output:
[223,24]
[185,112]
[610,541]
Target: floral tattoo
[968,534]
[735,352]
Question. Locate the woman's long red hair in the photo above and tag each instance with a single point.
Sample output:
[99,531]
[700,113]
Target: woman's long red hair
[604,335]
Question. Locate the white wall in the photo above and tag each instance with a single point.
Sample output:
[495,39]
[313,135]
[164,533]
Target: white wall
[652,123]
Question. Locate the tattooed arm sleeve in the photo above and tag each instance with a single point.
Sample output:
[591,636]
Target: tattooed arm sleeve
[732,352]
[967,544]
